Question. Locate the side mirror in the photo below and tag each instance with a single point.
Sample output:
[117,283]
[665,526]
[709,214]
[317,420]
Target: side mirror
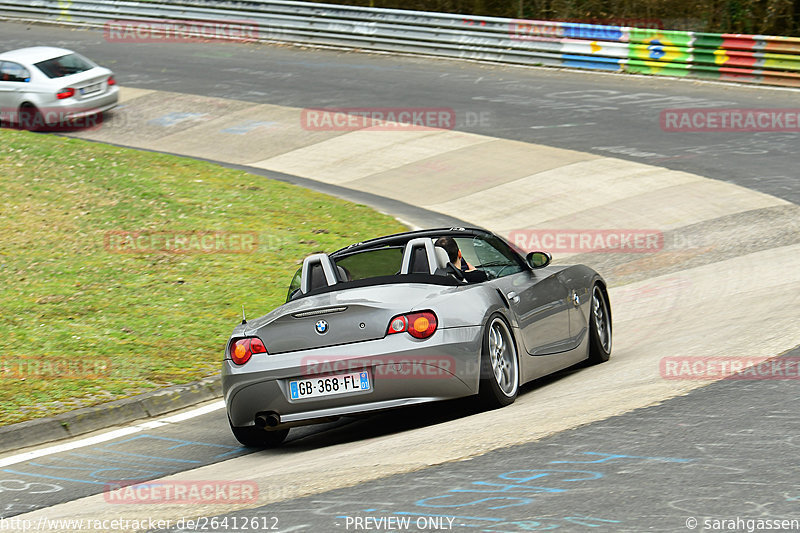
[538,259]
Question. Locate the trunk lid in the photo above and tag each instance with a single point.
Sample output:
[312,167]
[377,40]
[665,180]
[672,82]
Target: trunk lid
[342,317]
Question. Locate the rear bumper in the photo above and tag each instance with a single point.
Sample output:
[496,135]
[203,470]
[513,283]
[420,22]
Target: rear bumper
[53,112]
[402,371]
[75,110]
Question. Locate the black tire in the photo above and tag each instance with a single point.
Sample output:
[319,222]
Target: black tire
[499,383]
[30,118]
[255,437]
[599,327]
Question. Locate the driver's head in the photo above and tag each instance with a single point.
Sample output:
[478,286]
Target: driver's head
[450,246]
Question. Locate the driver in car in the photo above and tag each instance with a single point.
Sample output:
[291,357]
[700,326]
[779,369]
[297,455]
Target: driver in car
[469,272]
[454,253]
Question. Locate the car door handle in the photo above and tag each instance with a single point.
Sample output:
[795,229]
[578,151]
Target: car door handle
[513,296]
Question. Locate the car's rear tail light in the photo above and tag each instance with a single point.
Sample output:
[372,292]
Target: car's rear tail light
[243,349]
[398,324]
[420,325]
[111,80]
[65,93]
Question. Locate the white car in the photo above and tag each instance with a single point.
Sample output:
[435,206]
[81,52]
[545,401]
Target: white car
[43,87]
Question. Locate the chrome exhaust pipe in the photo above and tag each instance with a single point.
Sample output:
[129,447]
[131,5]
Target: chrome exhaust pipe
[265,420]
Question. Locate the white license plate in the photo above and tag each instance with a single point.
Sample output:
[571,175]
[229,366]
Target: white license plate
[328,385]
[90,89]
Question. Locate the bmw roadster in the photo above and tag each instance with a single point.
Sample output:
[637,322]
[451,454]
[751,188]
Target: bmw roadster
[407,319]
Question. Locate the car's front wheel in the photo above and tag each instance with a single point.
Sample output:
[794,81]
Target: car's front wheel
[499,382]
[255,437]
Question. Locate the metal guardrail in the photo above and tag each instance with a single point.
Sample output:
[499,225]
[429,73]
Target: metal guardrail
[743,58]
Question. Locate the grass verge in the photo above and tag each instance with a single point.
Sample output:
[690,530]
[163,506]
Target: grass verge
[108,286]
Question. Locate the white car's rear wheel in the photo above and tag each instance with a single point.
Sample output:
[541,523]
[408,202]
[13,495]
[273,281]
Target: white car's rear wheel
[30,118]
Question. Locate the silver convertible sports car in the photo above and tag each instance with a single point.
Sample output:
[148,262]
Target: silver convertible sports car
[406,319]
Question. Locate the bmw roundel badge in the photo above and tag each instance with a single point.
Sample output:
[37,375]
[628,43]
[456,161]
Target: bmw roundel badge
[321,327]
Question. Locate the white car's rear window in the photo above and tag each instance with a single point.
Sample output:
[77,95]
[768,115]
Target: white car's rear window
[58,67]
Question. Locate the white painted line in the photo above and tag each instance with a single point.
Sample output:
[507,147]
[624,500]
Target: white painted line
[153,424]
[117,433]
[111,435]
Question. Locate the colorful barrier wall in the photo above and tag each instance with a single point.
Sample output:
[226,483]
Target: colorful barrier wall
[726,57]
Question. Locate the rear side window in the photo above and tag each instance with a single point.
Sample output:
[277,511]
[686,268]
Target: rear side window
[294,286]
[59,67]
[10,71]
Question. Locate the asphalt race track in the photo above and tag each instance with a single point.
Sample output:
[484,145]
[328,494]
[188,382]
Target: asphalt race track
[599,113]
[616,447]
[695,459]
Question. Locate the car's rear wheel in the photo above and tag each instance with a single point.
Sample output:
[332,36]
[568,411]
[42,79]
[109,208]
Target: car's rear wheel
[499,382]
[30,118]
[599,327]
[255,437]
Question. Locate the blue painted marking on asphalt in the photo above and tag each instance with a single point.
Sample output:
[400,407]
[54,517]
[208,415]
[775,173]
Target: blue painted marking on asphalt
[519,501]
[171,119]
[179,444]
[452,516]
[54,477]
[591,475]
[247,127]
[507,488]
[453,498]
[168,439]
[610,456]
[234,449]
[127,454]
[97,468]
[93,473]
[108,460]
[408,513]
